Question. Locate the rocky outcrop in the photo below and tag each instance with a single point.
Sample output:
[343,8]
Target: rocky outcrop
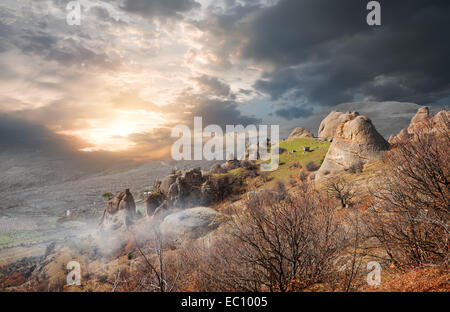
[232,164]
[329,125]
[421,116]
[356,141]
[192,223]
[402,135]
[423,121]
[190,188]
[441,120]
[120,211]
[300,132]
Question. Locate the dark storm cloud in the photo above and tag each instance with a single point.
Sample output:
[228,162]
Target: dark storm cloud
[221,112]
[212,85]
[159,8]
[293,112]
[218,111]
[21,134]
[324,51]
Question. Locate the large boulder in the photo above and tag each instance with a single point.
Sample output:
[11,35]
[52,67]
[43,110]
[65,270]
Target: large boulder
[355,143]
[328,126]
[192,223]
[120,211]
[300,132]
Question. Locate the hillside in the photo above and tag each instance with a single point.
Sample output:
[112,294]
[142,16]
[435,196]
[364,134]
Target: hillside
[212,225]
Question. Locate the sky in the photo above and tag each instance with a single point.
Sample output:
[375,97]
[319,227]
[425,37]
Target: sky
[133,69]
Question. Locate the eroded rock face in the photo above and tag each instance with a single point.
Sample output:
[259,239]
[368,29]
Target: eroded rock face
[441,120]
[190,188]
[300,132]
[120,211]
[423,121]
[328,126]
[192,223]
[153,201]
[356,141]
[422,115]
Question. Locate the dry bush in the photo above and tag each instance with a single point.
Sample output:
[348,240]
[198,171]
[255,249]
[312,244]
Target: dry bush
[156,269]
[285,245]
[410,217]
[292,181]
[312,166]
[342,190]
[427,279]
[265,176]
[281,190]
[302,176]
[249,165]
[356,167]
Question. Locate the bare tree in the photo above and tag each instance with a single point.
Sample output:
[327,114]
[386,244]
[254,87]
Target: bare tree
[155,269]
[411,212]
[278,245]
[342,190]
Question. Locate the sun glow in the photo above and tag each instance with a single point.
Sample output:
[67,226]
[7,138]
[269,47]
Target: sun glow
[115,136]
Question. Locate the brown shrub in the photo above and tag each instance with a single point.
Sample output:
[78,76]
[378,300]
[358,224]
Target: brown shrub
[277,245]
[411,215]
[356,167]
[312,166]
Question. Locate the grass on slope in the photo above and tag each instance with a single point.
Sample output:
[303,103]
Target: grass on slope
[287,159]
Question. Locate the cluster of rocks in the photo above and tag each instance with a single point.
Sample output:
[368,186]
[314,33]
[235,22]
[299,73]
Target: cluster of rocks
[191,188]
[182,189]
[422,121]
[185,190]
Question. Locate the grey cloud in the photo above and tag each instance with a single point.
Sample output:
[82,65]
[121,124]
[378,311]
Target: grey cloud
[51,39]
[213,110]
[20,134]
[212,85]
[221,112]
[159,8]
[293,112]
[325,52]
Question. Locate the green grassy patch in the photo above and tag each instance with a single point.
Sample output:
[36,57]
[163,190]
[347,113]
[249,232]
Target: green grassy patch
[285,170]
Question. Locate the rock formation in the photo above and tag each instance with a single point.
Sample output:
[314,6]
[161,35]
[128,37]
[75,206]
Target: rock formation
[190,188]
[300,133]
[441,120]
[119,211]
[423,121]
[356,141]
[421,116]
[328,126]
[192,223]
